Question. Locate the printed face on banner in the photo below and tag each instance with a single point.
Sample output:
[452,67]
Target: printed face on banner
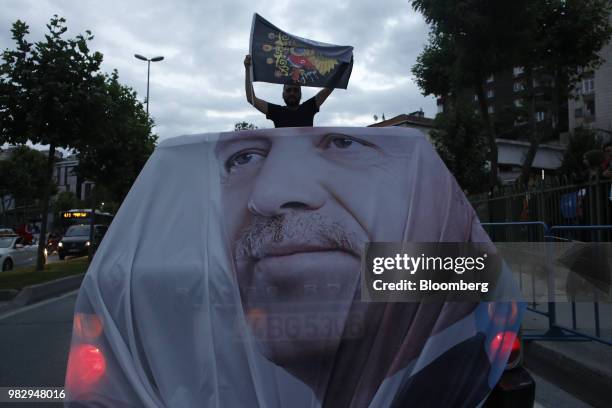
[299,207]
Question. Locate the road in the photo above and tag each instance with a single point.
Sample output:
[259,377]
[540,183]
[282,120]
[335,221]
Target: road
[36,339]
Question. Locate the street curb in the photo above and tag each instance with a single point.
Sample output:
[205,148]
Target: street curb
[8,294]
[569,371]
[36,293]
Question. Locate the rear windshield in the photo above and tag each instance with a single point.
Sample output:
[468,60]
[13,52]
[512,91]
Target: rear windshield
[77,231]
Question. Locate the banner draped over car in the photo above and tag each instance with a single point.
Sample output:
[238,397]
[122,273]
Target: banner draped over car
[239,284]
[282,58]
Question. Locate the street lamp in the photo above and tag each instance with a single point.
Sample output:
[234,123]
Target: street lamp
[140,57]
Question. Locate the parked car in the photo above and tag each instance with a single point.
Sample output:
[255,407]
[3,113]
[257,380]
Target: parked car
[13,252]
[258,258]
[76,242]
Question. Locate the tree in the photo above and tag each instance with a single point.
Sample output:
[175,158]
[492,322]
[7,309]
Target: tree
[433,70]
[114,160]
[244,126]
[48,95]
[459,140]
[582,141]
[64,201]
[5,186]
[23,176]
[473,39]
[564,41]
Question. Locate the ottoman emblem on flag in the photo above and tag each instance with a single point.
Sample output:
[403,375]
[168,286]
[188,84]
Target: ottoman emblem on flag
[293,60]
[279,57]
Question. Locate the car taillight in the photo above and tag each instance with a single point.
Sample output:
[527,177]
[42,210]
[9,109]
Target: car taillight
[507,343]
[515,353]
[86,366]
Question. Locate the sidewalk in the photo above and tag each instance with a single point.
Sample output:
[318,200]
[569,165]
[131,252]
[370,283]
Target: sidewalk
[36,293]
[582,367]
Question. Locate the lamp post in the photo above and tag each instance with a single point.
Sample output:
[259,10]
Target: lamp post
[140,57]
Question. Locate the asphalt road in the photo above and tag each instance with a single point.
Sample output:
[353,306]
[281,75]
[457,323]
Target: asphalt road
[35,342]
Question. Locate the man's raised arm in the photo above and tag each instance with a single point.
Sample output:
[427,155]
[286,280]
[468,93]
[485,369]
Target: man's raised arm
[259,104]
[322,95]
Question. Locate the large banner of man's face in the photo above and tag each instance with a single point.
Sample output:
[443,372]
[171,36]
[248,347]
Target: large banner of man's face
[231,277]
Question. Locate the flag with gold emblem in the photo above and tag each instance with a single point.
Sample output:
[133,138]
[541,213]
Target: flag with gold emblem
[282,58]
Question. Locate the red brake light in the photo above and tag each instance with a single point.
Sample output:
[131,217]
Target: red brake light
[515,353]
[502,343]
[516,345]
[86,365]
[506,343]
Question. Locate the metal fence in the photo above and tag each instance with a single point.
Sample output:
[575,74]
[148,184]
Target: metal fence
[554,201]
[549,212]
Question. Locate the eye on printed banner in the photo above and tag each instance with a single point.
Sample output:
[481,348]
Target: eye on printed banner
[282,58]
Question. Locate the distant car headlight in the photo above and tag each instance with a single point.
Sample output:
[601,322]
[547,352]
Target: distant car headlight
[60,245]
[87,243]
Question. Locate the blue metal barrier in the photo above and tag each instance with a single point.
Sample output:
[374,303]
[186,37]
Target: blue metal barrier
[550,236]
[555,331]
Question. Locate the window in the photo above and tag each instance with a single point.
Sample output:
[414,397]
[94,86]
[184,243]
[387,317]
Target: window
[589,108]
[490,78]
[518,86]
[578,113]
[87,190]
[588,85]
[540,116]
[518,103]
[491,109]
[518,71]
[490,93]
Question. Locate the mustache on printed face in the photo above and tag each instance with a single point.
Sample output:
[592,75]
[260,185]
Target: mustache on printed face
[293,232]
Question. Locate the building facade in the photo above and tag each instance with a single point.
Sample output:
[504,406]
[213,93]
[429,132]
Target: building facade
[591,103]
[67,180]
[415,120]
[506,94]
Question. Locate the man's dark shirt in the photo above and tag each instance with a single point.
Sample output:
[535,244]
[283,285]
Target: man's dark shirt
[285,117]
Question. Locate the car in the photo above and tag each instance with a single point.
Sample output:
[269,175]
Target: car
[13,253]
[6,231]
[76,242]
[259,257]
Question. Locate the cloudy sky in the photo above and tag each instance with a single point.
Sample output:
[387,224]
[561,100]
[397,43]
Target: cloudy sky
[199,87]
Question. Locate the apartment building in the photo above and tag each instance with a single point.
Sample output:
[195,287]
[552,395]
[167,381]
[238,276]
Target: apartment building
[591,103]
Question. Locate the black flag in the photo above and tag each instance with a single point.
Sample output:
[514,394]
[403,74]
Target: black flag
[282,58]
